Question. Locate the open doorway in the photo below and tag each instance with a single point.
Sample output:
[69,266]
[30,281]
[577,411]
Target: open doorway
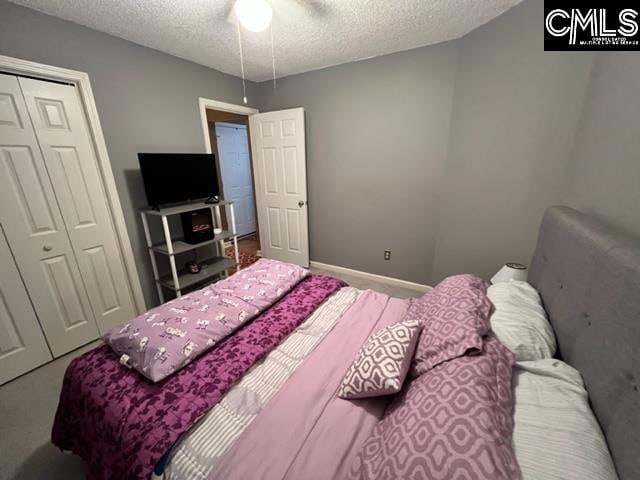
[232,143]
[278,166]
[227,135]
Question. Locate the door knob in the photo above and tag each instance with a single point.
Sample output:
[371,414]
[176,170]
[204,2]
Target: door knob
[47,248]
[301,203]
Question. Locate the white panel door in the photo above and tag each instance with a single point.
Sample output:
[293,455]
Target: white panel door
[22,344]
[235,169]
[61,129]
[279,165]
[33,224]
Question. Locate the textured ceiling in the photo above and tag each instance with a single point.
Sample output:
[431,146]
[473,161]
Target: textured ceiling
[308,34]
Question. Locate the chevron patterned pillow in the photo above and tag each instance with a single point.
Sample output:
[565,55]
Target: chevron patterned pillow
[382,363]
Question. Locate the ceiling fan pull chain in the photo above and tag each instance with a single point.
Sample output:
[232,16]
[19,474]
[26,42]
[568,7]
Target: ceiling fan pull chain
[244,88]
[273,57]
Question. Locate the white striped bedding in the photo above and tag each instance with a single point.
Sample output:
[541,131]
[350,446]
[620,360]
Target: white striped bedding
[556,435]
[199,451]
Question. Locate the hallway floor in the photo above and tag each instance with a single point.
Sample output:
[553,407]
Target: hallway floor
[248,250]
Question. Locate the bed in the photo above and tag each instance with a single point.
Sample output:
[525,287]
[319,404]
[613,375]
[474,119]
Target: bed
[285,401]
[589,279]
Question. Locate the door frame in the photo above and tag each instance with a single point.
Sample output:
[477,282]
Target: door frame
[81,81]
[204,103]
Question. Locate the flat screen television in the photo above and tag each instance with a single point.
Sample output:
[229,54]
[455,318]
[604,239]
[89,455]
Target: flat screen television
[178,177]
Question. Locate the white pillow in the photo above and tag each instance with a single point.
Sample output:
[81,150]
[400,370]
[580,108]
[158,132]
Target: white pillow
[556,435]
[520,322]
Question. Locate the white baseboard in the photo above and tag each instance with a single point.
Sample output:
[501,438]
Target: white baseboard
[372,276]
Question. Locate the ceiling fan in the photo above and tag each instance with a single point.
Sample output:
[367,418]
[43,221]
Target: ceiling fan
[256,15]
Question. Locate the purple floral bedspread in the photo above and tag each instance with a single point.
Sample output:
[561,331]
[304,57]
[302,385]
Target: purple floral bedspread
[121,424]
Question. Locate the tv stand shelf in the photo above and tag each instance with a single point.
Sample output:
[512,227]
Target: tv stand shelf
[181,247]
[183,208]
[216,266]
[208,269]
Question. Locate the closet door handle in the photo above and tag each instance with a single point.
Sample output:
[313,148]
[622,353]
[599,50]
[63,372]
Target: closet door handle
[47,248]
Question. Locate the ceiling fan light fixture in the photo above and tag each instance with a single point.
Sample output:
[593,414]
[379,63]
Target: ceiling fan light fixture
[254,15]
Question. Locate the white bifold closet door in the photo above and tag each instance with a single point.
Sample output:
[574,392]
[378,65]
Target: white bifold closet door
[54,214]
[22,344]
[59,122]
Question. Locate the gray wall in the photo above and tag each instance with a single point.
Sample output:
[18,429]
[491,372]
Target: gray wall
[447,154]
[516,110]
[376,148]
[391,167]
[603,177]
[147,100]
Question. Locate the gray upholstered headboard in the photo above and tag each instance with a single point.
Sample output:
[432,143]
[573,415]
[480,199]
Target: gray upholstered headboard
[589,280]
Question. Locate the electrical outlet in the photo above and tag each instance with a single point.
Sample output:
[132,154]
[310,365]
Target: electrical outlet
[387,255]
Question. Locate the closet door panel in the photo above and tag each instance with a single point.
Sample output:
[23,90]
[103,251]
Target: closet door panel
[61,128]
[22,344]
[23,176]
[36,232]
[9,111]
